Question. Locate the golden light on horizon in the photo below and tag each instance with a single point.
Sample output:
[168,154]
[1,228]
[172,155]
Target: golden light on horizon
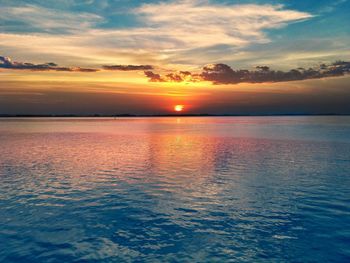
[178,108]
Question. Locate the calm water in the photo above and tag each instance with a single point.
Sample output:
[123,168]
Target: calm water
[236,189]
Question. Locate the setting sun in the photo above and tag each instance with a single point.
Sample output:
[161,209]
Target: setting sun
[179,108]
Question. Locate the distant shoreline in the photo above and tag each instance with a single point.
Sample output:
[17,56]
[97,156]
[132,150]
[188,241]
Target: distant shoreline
[156,115]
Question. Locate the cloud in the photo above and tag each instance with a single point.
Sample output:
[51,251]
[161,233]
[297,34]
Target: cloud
[179,24]
[216,73]
[7,63]
[224,74]
[153,77]
[196,23]
[128,67]
[33,18]
[160,33]
[181,76]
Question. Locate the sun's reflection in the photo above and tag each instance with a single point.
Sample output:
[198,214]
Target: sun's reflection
[153,152]
[169,154]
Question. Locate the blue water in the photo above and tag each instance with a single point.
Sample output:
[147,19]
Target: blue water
[235,189]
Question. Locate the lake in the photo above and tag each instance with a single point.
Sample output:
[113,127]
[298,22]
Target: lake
[186,189]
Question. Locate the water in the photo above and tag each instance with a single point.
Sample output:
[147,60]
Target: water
[235,189]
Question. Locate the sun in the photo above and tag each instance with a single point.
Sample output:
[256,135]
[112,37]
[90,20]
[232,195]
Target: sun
[178,108]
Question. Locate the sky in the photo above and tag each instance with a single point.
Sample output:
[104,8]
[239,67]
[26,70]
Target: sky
[146,57]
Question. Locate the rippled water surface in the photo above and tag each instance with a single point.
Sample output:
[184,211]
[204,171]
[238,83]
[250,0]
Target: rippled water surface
[235,189]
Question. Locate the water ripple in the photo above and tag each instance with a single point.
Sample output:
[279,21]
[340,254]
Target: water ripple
[164,190]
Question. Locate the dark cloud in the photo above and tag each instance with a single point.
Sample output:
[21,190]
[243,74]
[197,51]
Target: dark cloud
[215,73]
[224,74]
[7,63]
[221,73]
[128,67]
[263,68]
[153,77]
[181,76]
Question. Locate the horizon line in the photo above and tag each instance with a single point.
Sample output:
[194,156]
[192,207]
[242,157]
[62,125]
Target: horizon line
[162,115]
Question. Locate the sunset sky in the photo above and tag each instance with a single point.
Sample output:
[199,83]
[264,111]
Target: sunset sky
[145,57]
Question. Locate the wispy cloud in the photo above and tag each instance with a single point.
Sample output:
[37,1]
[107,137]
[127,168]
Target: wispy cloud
[33,18]
[7,63]
[224,74]
[162,32]
[196,23]
[127,67]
